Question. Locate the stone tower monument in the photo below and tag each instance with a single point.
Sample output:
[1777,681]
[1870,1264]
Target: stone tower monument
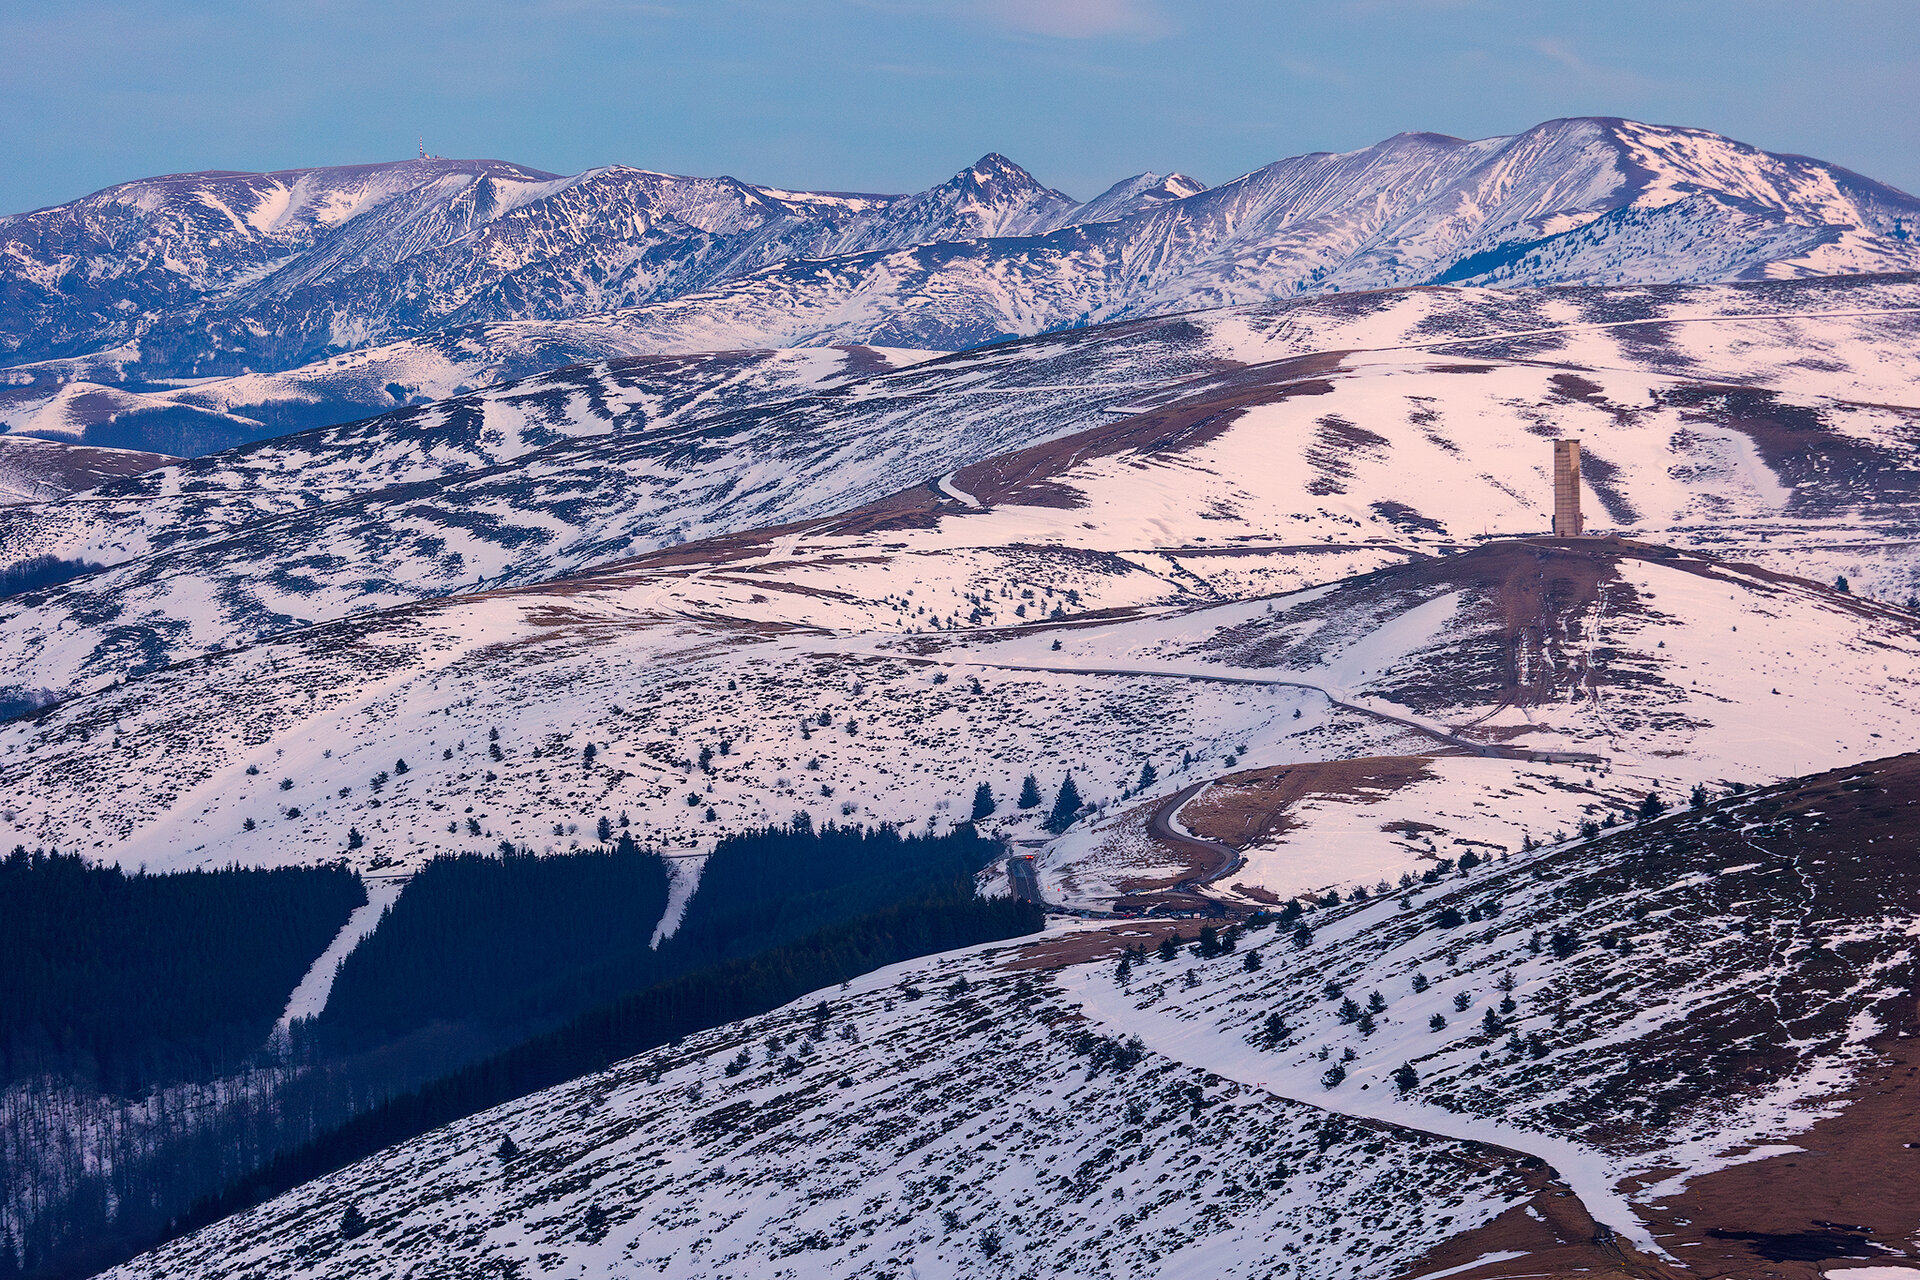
[1566,489]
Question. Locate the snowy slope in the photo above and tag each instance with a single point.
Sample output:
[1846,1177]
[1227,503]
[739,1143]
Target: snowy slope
[946,1134]
[222,549]
[472,434]
[1133,195]
[1420,419]
[1207,569]
[1685,1035]
[39,470]
[221,274]
[217,273]
[1727,976]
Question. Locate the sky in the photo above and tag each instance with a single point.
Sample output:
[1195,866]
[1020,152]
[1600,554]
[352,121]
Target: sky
[897,95]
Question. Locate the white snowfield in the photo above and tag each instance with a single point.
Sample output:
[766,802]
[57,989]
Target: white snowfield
[1694,437]
[1281,555]
[702,593]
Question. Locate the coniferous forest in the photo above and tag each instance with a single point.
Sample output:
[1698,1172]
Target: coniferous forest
[708,997]
[488,978]
[124,980]
[518,942]
[470,933]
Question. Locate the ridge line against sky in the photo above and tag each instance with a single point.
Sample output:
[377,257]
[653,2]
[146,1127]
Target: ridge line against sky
[896,95]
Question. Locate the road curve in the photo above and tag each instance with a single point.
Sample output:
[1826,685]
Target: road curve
[1221,860]
[1224,858]
[1023,880]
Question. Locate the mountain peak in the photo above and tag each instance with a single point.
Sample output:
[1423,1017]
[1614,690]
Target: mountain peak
[1138,194]
[994,162]
[993,196]
[995,172]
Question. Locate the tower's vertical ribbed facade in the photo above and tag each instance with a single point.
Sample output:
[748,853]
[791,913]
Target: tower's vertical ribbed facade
[1566,489]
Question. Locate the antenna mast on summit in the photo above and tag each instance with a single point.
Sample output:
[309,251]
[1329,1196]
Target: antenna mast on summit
[423,146]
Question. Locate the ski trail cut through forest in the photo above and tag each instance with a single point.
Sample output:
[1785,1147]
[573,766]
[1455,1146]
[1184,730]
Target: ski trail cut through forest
[310,997]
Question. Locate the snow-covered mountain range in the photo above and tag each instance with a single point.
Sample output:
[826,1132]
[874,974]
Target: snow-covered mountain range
[380,283]
[685,515]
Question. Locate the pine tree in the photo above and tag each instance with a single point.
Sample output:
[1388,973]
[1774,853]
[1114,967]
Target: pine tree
[1697,798]
[399,767]
[354,838]
[1029,793]
[1169,947]
[1148,776]
[604,828]
[983,802]
[1652,807]
[506,1151]
[1066,806]
[352,1223]
[1405,1077]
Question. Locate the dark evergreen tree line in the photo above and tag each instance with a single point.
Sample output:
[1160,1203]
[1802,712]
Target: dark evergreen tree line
[119,980]
[37,573]
[487,953]
[469,933]
[518,943]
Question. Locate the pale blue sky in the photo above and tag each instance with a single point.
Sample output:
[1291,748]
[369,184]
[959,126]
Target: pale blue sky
[894,95]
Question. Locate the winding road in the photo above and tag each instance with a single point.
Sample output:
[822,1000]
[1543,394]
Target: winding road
[1222,858]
